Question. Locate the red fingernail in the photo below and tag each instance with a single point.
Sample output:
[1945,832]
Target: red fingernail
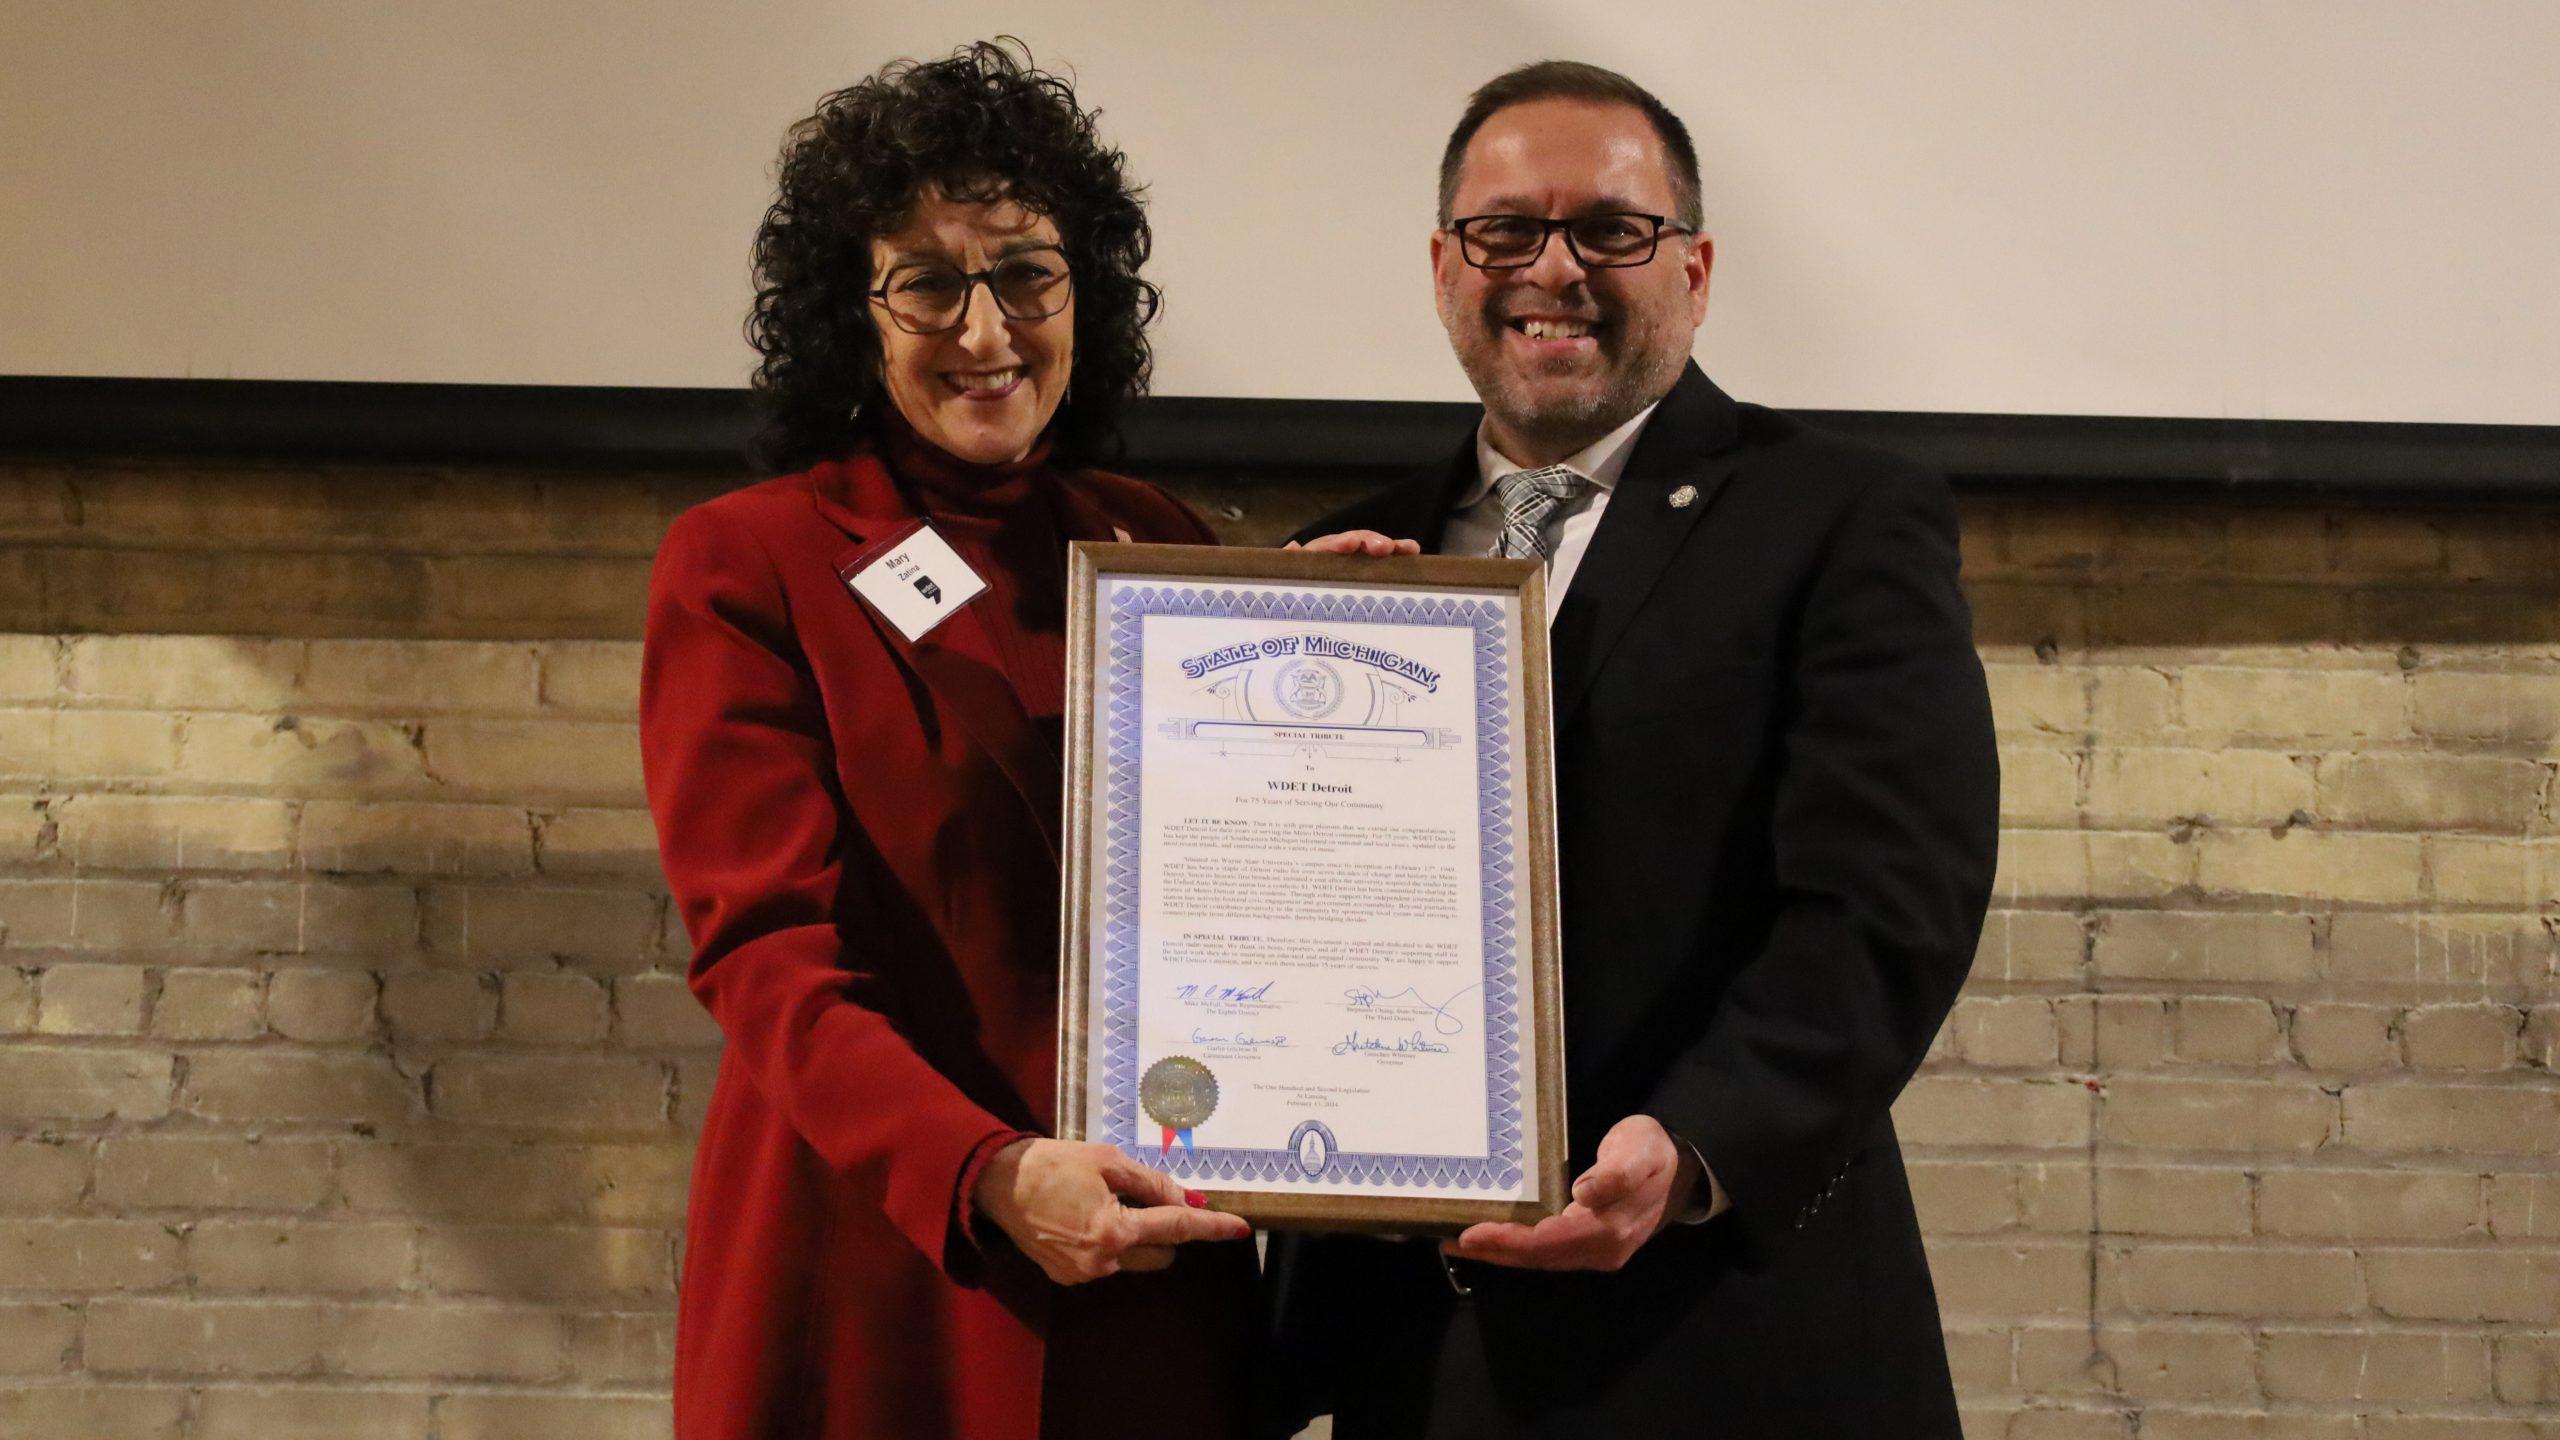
[1195,1199]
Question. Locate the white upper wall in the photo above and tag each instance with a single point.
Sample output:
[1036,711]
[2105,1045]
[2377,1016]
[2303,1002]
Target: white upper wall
[2288,208]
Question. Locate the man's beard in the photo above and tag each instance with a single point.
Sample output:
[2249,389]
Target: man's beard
[1636,369]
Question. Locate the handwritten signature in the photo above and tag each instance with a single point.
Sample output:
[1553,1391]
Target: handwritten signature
[1356,1043]
[1366,997]
[1214,994]
[1258,1042]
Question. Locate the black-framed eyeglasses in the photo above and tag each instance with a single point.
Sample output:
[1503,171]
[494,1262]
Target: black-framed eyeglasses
[1607,240]
[927,297]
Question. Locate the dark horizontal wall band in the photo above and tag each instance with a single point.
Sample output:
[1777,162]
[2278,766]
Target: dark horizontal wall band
[324,422]
[702,430]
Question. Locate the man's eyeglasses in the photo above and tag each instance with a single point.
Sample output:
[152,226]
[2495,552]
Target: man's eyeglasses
[1610,240]
[931,296]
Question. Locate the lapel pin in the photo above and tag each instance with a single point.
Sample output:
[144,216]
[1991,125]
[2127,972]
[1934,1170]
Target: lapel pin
[1684,497]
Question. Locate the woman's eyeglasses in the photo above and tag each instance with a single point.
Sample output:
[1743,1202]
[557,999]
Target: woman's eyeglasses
[931,296]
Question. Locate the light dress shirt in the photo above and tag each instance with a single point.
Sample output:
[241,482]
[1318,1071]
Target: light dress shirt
[1473,527]
[1477,520]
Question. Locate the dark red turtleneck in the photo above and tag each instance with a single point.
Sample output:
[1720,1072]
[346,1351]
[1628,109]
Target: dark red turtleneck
[1010,524]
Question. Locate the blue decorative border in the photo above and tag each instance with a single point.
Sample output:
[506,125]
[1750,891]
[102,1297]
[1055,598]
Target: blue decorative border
[1500,1168]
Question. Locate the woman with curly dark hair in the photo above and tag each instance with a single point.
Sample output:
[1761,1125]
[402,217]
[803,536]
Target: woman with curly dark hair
[850,722]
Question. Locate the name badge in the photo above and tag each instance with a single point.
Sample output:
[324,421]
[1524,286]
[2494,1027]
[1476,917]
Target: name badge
[917,583]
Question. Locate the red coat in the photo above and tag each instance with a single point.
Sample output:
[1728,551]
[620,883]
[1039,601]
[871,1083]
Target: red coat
[862,834]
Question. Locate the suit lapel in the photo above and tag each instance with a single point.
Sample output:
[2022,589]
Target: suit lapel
[975,695]
[1691,442]
[1420,509]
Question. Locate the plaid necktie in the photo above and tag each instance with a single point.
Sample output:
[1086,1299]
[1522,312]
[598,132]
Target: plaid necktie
[1528,498]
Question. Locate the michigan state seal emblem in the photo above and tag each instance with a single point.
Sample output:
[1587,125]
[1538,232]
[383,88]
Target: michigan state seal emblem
[1308,689]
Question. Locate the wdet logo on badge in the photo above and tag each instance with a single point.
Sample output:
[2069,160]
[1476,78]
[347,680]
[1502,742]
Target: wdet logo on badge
[916,585]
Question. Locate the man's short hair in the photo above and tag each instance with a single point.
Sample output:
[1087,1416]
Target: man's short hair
[1573,80]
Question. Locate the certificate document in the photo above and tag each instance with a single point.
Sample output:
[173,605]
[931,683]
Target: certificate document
[1309,955]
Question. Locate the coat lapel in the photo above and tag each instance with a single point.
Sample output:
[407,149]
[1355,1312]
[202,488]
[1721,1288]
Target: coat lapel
[1690,441]
[1083,516]
[1420,508]
[977,698]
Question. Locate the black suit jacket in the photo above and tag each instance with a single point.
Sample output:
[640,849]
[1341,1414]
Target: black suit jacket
[1777,801]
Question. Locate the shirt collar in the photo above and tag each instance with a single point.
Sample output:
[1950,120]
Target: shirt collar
[1600,462]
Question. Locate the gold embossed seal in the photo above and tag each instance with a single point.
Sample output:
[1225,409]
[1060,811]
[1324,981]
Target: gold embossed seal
[1178,1092]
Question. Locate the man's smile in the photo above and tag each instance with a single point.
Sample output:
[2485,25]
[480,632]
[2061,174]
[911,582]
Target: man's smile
[1554,334]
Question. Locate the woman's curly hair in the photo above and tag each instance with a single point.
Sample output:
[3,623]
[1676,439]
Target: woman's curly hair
[982,124]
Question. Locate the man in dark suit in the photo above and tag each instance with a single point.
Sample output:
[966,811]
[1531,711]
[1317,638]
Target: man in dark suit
[1777,803]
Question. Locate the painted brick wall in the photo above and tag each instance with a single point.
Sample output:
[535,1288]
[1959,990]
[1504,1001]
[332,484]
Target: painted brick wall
[346,1072]
[2248,1124]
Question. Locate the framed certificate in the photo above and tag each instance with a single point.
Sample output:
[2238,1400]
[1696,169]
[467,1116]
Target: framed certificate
[1310,946]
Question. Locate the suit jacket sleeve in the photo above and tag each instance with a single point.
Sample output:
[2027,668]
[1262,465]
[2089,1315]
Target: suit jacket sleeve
[1885,827]
[742,784]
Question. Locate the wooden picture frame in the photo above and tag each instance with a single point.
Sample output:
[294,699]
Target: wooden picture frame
[1293,610]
